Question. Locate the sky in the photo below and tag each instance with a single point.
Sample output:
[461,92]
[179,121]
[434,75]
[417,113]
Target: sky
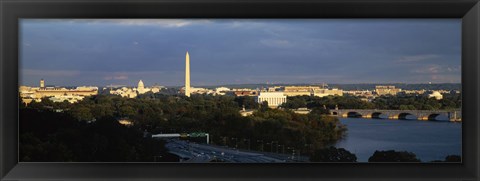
[100,52]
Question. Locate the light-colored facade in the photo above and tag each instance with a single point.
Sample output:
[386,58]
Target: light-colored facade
[311,91]
[222,90]
[200,90]
[58,94]
[436,95]
[141,87]
[274,99]
[303,110]
[299,90]
[70,98]
[386,90]
[126,122]
[246,93]
[156,89]
[327,92]
[242,89]
[274,89]
[42,83]
[415,91]
[134,92]
[245,112]
[125,92]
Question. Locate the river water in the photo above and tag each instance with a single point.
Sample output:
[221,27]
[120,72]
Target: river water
[429,140]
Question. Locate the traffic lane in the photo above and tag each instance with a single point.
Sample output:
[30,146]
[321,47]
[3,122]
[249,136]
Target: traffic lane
[209,152]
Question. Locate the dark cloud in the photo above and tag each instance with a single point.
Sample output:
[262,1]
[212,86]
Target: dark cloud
[102,52]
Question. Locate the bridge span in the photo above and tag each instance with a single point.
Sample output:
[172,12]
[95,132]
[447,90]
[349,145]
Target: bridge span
[432,115]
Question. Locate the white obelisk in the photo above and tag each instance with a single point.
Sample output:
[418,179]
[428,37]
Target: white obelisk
[187,75]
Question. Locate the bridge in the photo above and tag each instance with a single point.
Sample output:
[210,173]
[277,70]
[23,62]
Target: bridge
[427,115]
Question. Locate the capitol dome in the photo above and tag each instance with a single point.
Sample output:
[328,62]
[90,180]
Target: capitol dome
[140,84]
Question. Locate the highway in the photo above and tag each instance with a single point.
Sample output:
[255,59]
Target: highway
[200,153]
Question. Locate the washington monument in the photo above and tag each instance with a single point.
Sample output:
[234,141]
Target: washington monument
[187,75]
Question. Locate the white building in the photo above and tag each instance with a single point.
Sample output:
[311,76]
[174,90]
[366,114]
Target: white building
[134,92]
[436,95]
[199,90]
[222,90]
[57,94]
[70,98]
[141,87]
[274,99]
[125,92]
[327,92]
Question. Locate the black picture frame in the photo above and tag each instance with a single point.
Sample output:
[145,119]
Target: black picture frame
[12,10]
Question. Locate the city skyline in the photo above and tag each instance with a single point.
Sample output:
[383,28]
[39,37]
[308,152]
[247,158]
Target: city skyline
[104,52]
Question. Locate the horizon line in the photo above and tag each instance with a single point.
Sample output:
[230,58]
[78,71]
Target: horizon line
[238,84]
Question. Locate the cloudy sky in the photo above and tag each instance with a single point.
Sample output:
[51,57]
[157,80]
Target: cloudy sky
[235,51]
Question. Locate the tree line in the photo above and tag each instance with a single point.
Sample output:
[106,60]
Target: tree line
[89,130]
[49,136]
[399,102]
[332,154]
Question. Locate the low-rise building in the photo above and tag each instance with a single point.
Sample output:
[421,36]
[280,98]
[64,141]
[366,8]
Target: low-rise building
[299,90]
[311,91]
[246,93]
[134,92]
[274,99]
[69,98]
[302,110]
[245,112]
[222,90]
[386,90]
[125,92]
[327,92]
[435,95]
[59,94]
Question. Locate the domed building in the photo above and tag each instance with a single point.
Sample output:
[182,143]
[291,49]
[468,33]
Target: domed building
[133,92]
[436,95]
[141,87]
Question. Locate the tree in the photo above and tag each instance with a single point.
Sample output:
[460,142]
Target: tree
[393,156]
[103,110]
[332,154]
[82,113]
[320,111]
[295,102]
[404,107]
[247,101]
[127,111]
[264,106]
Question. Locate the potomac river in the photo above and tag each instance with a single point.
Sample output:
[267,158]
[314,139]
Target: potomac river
[429,140]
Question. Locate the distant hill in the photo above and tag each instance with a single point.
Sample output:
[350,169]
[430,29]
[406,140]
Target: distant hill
[442,86]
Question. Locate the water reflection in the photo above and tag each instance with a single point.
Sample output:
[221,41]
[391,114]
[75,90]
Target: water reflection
[429,140]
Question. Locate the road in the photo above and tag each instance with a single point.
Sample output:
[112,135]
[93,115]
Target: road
[199,153]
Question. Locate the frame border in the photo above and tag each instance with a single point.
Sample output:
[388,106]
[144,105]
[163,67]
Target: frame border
[12,10]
